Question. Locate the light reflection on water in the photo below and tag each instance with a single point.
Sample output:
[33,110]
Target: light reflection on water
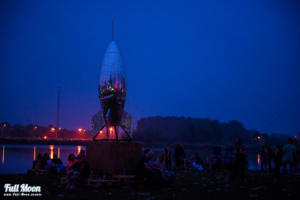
[19,158]
[3,154]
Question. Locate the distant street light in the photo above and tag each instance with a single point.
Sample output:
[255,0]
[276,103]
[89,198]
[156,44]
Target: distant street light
[80,130]
[52,130]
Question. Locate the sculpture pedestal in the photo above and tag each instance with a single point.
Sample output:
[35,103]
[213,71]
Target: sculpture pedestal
[112,157]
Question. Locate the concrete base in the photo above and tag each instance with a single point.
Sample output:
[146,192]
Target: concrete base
[111,157]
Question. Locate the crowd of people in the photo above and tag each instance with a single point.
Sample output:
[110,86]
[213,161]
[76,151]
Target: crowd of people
[76,169]
[44,162]
[171,160]
[168,162]
[283,156]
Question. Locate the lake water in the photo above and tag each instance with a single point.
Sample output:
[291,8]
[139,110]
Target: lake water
[19,158]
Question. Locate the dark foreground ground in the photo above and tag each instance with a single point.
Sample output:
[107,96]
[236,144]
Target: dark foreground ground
[187,185]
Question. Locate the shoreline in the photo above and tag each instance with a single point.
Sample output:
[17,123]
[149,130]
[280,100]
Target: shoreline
[84,142]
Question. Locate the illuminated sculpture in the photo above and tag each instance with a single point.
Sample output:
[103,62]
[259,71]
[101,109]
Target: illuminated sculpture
[112,93]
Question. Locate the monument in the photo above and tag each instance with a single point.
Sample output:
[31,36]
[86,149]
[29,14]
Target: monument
[112,151]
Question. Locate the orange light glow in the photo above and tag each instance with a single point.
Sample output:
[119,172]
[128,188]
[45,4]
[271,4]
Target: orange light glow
[111,130]
[78,149]
[258,159]
[58,152]
[34,150]
[101,132]
[45,137]
[51,151]
[52,129]
[35,127]
[80,130]
[258,137]
[3,154]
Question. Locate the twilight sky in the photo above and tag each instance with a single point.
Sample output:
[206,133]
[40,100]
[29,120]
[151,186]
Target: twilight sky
[213,59]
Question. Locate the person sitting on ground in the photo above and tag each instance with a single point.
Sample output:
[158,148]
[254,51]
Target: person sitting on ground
[37,164]
[47,162]
[216,159]
[228,160]
[196,162]
[289,154]
[56,160]
[160,165]
[80,169]
[70,162]
[145,170]
[58,164]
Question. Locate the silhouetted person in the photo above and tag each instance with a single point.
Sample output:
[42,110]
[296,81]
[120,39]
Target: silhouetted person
[79,171]
[81,153]
[56,160]
[37,164]
[278,159]
[71,160]
[46,161]
[146,171]
[270,155]
[216,159]
[239,160]
[289,153]
[168,157]
[263,157]
[179,157]
[58,164]
[228,160]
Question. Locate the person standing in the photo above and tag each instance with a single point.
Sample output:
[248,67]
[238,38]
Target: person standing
[278,159]
[289,150]
[239,160]
[168,157]
[263,156]
[179,157]
[270,155]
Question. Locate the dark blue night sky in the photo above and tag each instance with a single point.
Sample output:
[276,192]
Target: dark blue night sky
[223,60]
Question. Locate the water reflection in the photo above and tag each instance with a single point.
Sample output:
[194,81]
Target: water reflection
[19,158]
[258,159]
[3,152]
[34,150]
[58,152]
[78,149]
[51,151]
